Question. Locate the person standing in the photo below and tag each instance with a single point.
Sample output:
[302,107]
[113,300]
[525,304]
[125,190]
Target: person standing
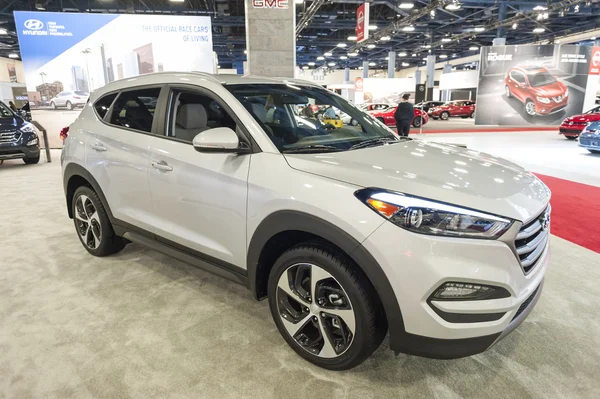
[404,115]
[12,106]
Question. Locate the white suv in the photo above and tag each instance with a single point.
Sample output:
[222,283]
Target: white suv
[349,231]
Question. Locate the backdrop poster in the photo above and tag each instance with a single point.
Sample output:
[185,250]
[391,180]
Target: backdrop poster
[532,84]
[68,52]
[388,91]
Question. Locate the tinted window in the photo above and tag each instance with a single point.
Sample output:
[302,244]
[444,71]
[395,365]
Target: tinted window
[541,79]
[82,93]
[135,109]
[103,104]
[5,112]
[66,93]
[192,113]
[517,76]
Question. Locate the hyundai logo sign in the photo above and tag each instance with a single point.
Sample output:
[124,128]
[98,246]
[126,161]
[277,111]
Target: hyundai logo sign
[33,24]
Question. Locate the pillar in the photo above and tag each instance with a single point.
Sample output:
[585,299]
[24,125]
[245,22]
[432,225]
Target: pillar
[417,77]
[501,17]
[430,76]
[347,75]
[365,69]
[499,41]
[445,94]
[271,40]
[391,64]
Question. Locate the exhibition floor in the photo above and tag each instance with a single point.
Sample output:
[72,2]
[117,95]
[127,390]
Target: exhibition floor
[141,324]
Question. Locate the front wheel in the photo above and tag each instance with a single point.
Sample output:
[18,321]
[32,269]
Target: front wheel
[571,137]
[31,161]
[472,115]
[417,122]
[507,91]
[530,108]
[594,151]
[92,224]
[324,307]
[445,115]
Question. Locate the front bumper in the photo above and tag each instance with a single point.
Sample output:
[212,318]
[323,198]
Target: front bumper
[571,130]
[590,141]
[416,265]
[552,108]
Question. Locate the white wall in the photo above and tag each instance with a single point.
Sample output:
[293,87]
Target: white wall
[459,80]
[4,77]
[6,93]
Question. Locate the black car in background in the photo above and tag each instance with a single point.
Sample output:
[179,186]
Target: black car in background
[427,105]
[18,139]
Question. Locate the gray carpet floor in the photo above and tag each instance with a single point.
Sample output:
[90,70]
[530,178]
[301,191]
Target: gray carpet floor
[142,325]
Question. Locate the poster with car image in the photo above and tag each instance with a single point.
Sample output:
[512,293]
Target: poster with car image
[532,84]
[66,56]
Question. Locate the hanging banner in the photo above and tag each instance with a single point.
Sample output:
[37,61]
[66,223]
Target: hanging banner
[66,56]
[595,64]
[358,85]
[362,23]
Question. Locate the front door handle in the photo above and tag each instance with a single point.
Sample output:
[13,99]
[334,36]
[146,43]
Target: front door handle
[98,147]
[162,165]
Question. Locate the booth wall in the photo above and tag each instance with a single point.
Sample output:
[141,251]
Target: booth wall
[6,64]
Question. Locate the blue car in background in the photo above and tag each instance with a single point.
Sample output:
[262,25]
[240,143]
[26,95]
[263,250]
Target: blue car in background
[590,138]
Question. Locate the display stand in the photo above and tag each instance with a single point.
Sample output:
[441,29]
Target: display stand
[45,134]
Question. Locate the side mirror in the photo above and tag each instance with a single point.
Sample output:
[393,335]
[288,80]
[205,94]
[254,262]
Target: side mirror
[523,85]
[219,139]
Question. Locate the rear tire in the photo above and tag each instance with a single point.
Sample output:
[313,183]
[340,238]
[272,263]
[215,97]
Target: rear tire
[69,105]
[594,151]
[445,115]
[31,161]
[571,138]
[417,122]
[507,91]
[92,224]
[334,322]
[472,115]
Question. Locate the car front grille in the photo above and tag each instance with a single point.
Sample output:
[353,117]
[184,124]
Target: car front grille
[532,239]
[590,142]
[9,137]
[574,131]
[526,303]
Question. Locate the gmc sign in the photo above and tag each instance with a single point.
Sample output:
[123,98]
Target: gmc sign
[281,4]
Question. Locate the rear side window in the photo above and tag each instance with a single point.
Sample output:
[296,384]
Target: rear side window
[103,104]
[135,109]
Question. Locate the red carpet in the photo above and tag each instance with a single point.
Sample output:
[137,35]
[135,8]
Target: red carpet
[575,211]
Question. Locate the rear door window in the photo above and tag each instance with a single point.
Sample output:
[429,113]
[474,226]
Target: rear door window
[135,109]
[103,104]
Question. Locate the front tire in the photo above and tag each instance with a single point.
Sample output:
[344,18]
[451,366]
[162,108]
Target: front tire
[52,105]
[530,108]
[472,115]
[507,91]
[31,161]
[445,115]
[417,122]
[571,138]
[92,224]
[594,151]
[324,307]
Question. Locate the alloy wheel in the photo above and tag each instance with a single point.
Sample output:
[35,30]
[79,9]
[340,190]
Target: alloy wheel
[530,108]
[507,90]
[315,310]
[88,222]
[444,115]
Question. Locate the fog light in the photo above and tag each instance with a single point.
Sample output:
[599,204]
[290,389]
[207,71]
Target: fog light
[32,142]
[468,291]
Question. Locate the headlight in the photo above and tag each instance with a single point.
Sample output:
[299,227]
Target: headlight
[27,128]
[424,216]
[543,100]
[566,93]
[32,142]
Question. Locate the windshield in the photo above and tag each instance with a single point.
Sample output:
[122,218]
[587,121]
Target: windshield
[541,79]
[594,111]
[5,112]
[310,119]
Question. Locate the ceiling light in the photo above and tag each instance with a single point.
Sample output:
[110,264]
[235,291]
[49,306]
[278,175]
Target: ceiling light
[432,14]
[311,64]
[320,58]
[402,54]
[305,67]
[331,64]
[353,54]
[385,38]
[576,8]
[13,55]
[453,6]
[427,46]
[387,58]
[515,25]
[408,28]
[245,51]
[328,54]
[177,1]
[539,30]
[372,27]
[352,38]
[593,38]
[406,6]
[298,1]
[360,67]
[405,64]
[540,8]
[3,32]
[371,46]
[443,56]
[557,41]
[413,55]
[343,57]
[39,6]
[446,39]
[479,29]
[473,48]
[372,64]
[342,45]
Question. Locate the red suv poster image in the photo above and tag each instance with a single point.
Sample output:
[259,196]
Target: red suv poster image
[538,85]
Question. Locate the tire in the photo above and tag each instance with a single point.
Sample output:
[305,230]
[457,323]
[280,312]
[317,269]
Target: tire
[354,122]
[435,117]
[360,326]
[69,105]
[571,138]
[594,151]
[100,239]
[380,119]
[417,122]
[31,161]
[445,115]
[464,117]
[530,108]
[507,91]
[52,105]
[472,115]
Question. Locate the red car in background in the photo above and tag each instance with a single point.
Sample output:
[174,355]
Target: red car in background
[462,108]
[572,126]
[541,92]
[387,117]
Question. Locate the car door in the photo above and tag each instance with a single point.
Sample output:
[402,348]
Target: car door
[518,85]
[199,198]
[59,100]
[117,153]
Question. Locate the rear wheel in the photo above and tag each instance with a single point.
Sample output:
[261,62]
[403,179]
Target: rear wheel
[52,105]
[472,115]
[31,161]
[571,137]
[93,227]
[417,121]
[445,115]
[69,105]
[594,151]
[324,307]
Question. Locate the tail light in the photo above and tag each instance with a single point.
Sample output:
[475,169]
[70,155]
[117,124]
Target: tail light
[76,97]
[64,133]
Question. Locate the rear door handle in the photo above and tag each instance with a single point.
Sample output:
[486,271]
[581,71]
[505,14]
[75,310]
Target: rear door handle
[98,147]
[162,165]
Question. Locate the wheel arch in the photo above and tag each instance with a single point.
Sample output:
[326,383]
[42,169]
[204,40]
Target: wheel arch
[76,176]
[269,241]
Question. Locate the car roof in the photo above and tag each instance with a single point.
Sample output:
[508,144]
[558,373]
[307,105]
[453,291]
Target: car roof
[530,68]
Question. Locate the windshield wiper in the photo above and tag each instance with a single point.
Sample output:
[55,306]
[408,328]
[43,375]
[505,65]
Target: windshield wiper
[311,148]
[374,142]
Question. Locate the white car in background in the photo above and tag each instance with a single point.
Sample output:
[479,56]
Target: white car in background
[69,99]
[351,232]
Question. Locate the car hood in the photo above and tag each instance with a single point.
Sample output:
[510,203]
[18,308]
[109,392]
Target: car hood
[10,124]
[552,90]
[441,172]
[582,118]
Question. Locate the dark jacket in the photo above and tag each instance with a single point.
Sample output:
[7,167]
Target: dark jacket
[404,112]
